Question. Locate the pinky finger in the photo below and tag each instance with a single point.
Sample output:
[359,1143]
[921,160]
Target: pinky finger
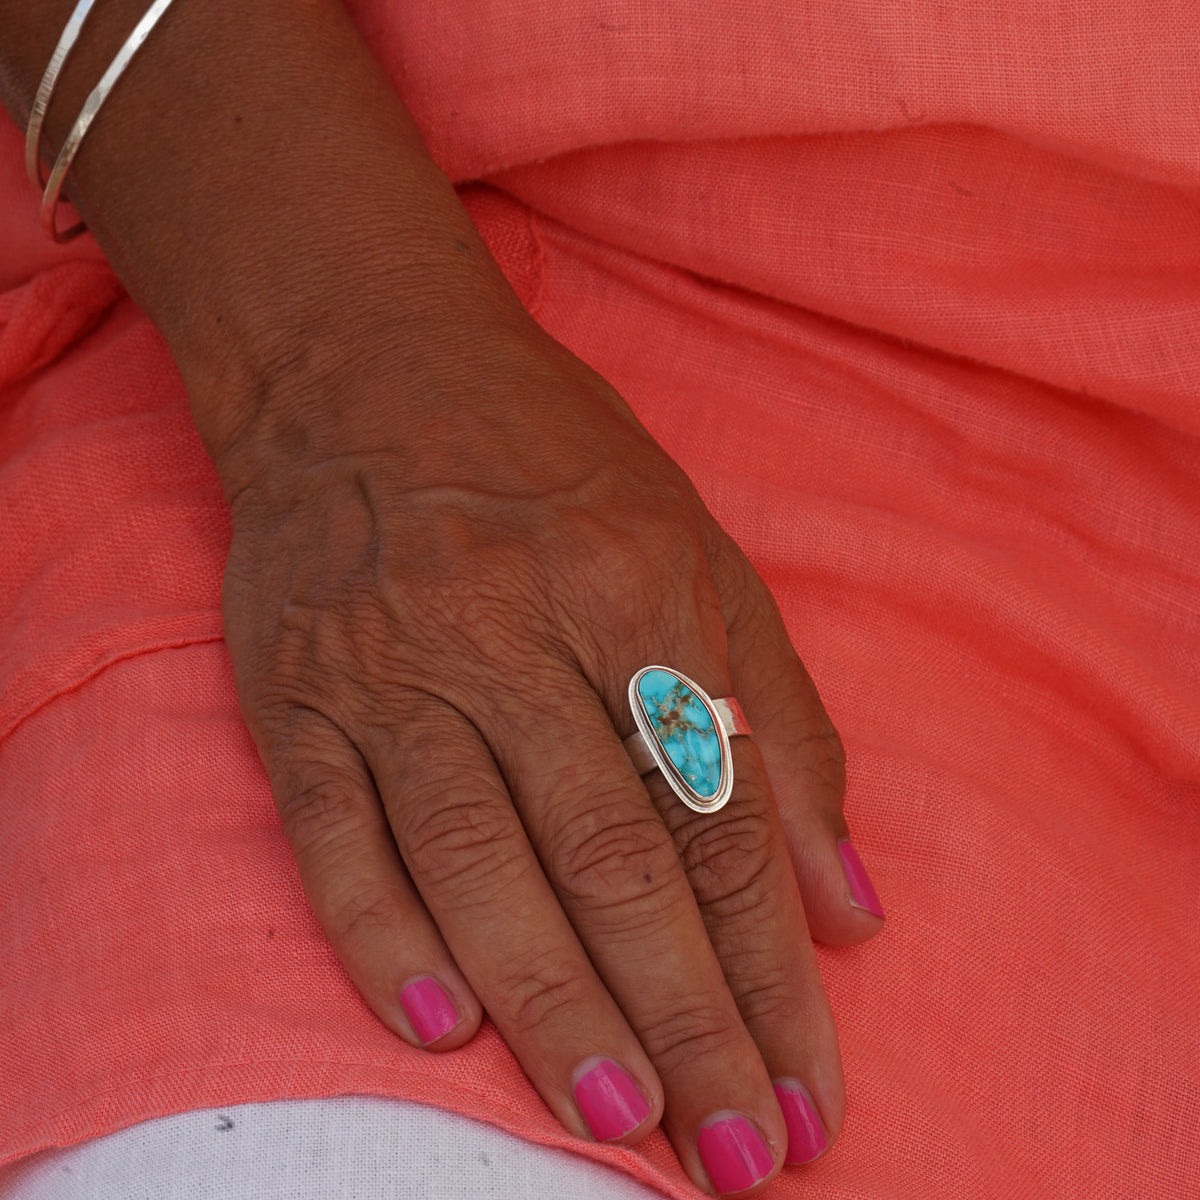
[357,885]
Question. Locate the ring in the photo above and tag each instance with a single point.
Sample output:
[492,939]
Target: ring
[685,734]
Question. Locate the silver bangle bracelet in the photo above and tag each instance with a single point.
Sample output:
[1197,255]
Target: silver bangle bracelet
[41,102]
[91,107]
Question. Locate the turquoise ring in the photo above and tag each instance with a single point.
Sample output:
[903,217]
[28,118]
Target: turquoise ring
[684,733]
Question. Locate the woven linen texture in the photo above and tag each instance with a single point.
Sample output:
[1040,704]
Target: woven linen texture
[913,293]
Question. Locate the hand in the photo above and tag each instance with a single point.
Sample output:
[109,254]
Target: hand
[444,571]
[453,544]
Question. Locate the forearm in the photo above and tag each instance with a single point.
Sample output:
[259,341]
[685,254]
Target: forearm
[257,184]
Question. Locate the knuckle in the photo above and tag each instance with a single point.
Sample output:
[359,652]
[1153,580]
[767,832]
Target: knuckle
[627,577]
[699,1031]
[319,817]
[750,609]
[767,997]
[466,848]
[799,721]
[638,554]
[729,862]
[492,626]
[541,992]
[595,861]
[363,913]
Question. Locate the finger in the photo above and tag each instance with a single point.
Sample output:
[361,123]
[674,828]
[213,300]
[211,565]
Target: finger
[737,863]
[469,857]
[357,885]
[802,753]
[738,868]
[619,878]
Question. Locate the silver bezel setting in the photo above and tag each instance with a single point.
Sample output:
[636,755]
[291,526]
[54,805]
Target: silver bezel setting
[680,786]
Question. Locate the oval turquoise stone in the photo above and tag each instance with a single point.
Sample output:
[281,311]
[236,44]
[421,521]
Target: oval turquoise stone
[685,729]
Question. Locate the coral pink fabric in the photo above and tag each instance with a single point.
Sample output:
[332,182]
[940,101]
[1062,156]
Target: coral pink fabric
[912,290]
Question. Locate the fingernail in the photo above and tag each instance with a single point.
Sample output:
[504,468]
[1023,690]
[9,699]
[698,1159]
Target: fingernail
[806,1136]
[862,894]
[430,1010]
[734,1154]
[611,1103]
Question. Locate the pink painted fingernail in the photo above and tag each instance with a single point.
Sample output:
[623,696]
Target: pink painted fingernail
[734,1154]
[610,1101]
[862,893]
[430,1010]
[806,1136]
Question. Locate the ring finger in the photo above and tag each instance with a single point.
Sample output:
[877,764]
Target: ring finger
[619,878]
[738,867]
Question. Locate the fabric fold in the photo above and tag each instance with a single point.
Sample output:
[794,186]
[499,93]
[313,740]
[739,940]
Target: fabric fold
[912,292]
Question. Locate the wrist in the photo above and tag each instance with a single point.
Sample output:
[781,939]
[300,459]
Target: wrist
[393,370]
[307,349]
[264,196]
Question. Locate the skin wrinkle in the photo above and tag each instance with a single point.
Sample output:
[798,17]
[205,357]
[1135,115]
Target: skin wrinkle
[460,858]
[471,620]
[466,847]
[728,859]
[319,811]
[692,1032]
[537,989]
[650,618]
[608,866]
[623,629]
[368,912]
[769,1001]
[447,530]
[331,629]
[827,773]
[305,675]
[633,928]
